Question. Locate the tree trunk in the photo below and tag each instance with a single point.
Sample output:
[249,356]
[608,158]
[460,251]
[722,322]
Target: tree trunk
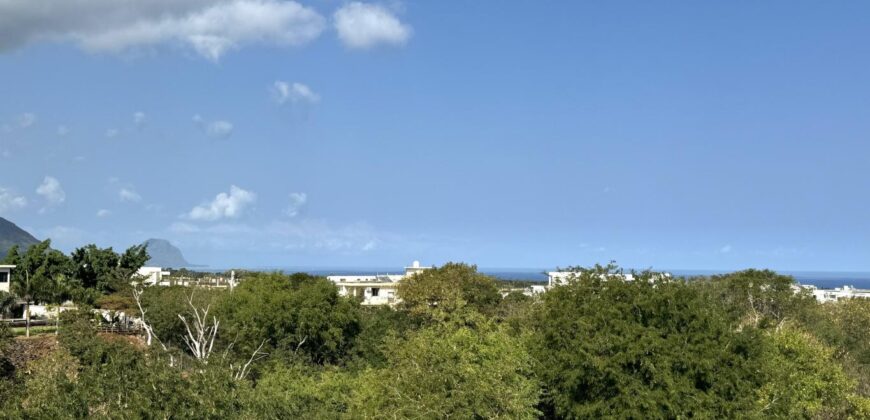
[27,318]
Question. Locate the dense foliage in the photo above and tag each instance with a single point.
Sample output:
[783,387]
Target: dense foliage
[744,345]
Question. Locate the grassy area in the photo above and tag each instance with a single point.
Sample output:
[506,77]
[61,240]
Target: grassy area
[42,329]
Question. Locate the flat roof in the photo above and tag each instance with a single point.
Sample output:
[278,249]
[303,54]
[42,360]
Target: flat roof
[6,266]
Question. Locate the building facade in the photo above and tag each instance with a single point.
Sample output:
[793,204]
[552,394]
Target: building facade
[6,278]
[377,289]
[153,276]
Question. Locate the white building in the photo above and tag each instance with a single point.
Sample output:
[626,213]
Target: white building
[152,276]
[555,278]
[6,278]
[378,289]
[838,293]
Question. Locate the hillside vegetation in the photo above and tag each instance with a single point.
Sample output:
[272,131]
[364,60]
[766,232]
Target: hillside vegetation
[743,345]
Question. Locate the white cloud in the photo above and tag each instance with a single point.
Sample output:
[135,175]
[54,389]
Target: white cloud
[224,206]
[139,118]
[62,130]
[26,120]
[103,213]
[51,190]
[209,27]
[297,201]
[219,128]
[129,195]
[10,201]
[112,133]
[361,25]
[295,92]
[216,128]
[725,249]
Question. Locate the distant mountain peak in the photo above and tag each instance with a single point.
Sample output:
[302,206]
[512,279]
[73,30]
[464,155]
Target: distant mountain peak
[164,254]
[11,234]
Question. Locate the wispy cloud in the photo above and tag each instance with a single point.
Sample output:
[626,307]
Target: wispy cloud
[297,202]
[62,130]
[103,213]
[139,118]
[293,92]
[26,120]
[362,26]
[10,201]
[129,195]
[216,128]
[112,133]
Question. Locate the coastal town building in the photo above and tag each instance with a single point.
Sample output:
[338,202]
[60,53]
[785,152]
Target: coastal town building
[377,289]
[153,276]
[837,293]
[6,278]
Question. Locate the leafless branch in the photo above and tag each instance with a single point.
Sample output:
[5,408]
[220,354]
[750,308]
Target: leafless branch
[256,355]
[200,338]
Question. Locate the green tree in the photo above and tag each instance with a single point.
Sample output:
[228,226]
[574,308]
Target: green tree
[761,298]
[452,370]
[648,348]
[103,271]
[845,326]
[294,392]
[7,300]
[378,324]
[297,314]
[514,310]
[41,275]
[802,379]
[51,390]
[165,304]
[438,292]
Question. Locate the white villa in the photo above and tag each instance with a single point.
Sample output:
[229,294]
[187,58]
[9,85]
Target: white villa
[6,277]
[153,276]
[379,289]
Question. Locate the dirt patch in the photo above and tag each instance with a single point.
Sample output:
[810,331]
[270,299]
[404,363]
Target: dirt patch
[27,349]
[134,340]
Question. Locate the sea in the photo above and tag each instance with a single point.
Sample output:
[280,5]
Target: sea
[820,279]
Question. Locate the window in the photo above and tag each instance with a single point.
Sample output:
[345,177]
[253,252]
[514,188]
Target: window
[375,291]
[4,277]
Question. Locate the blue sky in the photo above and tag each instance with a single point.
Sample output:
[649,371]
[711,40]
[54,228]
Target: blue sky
[694,135]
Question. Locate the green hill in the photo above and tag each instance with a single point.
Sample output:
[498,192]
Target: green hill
[10,235]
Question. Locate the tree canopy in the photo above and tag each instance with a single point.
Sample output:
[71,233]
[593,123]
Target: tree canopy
[744,345]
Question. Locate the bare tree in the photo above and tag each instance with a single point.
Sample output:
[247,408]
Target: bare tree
[200,338]
[201,334]
[149,330]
